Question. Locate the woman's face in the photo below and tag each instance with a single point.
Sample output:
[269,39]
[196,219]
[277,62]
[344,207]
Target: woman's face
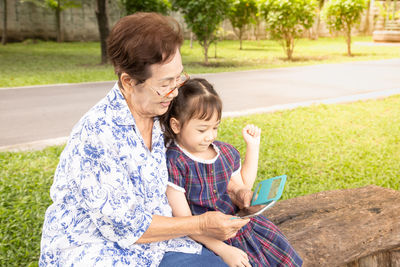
[144,100]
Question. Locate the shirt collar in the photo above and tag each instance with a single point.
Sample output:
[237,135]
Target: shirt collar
[120,111]
[193,157]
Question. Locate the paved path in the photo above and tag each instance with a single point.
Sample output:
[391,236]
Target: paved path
[35,113]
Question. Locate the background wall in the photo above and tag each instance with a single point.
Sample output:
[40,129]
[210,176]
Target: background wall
[26,20]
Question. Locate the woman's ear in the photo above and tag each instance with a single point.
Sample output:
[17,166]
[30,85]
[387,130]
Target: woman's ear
[126,81]
[175,125]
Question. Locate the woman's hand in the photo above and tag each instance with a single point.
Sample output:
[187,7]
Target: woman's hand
[251,135]
[220,226]
[234,257]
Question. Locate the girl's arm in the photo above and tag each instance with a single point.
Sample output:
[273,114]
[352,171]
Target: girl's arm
[251,135]
[231,255]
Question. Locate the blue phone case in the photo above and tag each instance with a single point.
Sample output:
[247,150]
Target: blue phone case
[263,194]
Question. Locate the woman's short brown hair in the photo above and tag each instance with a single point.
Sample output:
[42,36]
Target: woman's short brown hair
[140,40]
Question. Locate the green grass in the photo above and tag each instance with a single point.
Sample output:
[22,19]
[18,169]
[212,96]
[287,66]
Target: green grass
[25,180]
[29,63]
[327,147]
[320,148]
[269,54]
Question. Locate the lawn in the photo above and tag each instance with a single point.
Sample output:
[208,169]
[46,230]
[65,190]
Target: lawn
[321,147]
[30,63]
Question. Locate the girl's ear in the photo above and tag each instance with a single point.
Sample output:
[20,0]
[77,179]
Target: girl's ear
[175,125]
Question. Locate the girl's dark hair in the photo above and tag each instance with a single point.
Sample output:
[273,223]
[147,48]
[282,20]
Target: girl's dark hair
[140,40]
[197,99]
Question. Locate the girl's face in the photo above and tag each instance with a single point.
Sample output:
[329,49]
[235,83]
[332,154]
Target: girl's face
[197,135]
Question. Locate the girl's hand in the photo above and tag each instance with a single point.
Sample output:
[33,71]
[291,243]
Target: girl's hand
[234,257]
[251,134]
[242,198]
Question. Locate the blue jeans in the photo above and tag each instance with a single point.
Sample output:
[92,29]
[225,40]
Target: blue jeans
[178,259]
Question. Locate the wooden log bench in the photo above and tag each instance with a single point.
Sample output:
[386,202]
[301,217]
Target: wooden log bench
[346,228]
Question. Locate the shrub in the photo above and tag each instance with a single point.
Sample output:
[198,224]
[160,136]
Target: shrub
[342,15]
[241,14]
[203,17]
[159,6]
[287,19]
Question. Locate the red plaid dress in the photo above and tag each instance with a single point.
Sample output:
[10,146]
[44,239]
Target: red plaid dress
[205,185]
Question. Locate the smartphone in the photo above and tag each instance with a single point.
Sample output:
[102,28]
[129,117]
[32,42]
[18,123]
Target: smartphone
[266,194]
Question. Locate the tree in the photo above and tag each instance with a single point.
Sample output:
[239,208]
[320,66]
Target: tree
[257,21]
[159,6]
[4,34]
[394,8]
[385,12]
[287,19]
[320,7]
[342,15]
[203,17]
[104,30]
[57,6]
[241,14]
[366,28]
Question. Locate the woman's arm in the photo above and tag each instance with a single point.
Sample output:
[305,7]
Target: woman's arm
[251,135]
[210,227]
[210,224]
[180,208]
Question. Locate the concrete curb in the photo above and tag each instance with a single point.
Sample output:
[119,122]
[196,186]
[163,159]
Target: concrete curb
[41,144]
[36,145]
[55,85]
[337,100]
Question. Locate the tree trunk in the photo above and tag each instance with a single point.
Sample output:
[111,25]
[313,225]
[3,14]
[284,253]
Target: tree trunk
[102,21]
[316,33]
[4,35]
[58,22]
[366,24]
[348,39]
[206,52]
[289,48]
[191,40]
[256,29]
[321,6]
[240,38]
[387,11]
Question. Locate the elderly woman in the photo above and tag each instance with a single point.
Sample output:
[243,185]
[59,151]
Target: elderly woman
[109,204]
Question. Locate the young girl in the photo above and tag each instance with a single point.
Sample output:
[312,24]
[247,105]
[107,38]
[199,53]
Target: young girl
[203,172]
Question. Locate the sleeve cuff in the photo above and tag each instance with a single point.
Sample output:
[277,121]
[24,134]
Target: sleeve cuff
[238,170]
[177,187]
[134,234]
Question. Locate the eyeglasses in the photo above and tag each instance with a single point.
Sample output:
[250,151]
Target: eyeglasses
[164,92]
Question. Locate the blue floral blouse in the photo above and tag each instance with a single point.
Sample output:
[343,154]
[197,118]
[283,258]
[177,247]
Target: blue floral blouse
[106,188]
